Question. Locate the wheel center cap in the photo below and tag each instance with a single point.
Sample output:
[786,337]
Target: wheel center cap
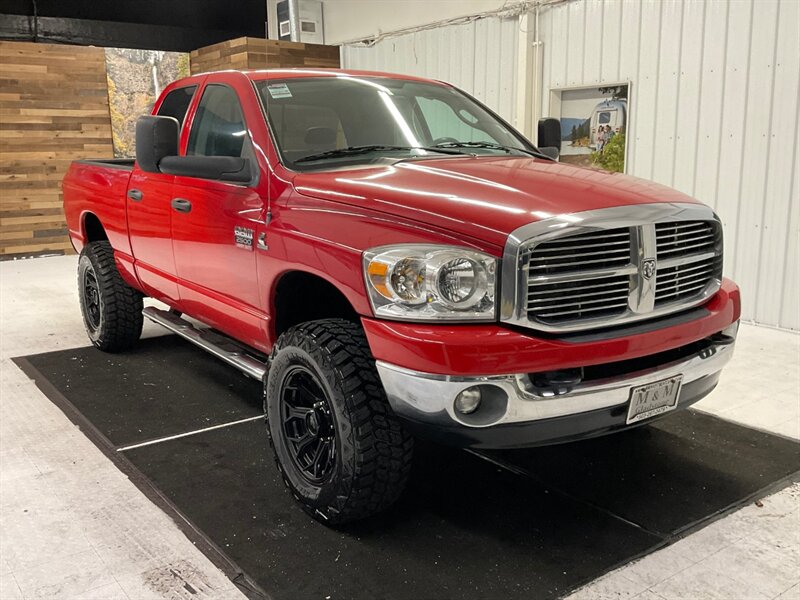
[312,423]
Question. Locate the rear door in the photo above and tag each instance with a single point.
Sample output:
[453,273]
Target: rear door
[215,223]
[149,213]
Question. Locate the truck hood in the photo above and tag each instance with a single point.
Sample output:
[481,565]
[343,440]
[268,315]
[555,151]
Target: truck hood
[485,198]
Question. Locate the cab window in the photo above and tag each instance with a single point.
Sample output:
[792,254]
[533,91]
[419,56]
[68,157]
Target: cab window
[176,103]
[218,127]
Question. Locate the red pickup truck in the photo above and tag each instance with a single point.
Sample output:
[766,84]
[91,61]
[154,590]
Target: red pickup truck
[393,260]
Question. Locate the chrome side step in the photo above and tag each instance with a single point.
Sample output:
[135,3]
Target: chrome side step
[220,346]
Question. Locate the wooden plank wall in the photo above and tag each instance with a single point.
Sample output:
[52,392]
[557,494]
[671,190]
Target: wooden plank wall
[53,109]
[259,53]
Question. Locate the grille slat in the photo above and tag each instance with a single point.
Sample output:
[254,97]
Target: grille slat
[681,249]
[588,276]
[698,237]
[561,297]
[684,292]
[570,286]
[580,312]
[679,277]
[680,286]
[577,262]
[554,248]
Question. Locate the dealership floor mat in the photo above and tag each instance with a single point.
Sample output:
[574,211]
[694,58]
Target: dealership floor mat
[163,387]
[523,524]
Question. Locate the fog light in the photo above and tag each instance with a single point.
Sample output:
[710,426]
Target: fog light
[468,400]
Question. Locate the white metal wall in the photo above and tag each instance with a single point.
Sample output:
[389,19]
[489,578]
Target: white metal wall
[714,105]
[715,115]
[478,57]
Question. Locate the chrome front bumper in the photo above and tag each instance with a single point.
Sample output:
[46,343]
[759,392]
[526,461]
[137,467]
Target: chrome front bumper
[429,398]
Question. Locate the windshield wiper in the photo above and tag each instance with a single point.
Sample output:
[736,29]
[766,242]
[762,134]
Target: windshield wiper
[491,146]
[355,150]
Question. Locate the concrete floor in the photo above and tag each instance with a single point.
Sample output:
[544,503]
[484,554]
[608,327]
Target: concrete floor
[72,526]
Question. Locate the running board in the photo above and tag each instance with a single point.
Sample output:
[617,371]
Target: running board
[220,346]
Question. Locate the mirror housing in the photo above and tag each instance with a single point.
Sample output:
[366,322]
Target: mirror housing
[156,138]
[549,137]
[550,151]
[220,168]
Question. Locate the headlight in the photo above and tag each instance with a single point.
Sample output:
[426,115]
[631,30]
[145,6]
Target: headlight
[416,282]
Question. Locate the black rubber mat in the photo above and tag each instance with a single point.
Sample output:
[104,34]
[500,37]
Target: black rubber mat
[523,524]
[165,386]
[667,476]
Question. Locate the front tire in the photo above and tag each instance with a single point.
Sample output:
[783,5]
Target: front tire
[340,449]
[111,309]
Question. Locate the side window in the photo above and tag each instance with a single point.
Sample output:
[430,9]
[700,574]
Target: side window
[218,128]
[177,103]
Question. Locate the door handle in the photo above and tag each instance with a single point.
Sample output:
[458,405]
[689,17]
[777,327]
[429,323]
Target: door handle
[135,195]
[181,205]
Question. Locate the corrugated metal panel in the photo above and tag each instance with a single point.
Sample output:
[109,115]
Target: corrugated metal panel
[479,57]
[714,113]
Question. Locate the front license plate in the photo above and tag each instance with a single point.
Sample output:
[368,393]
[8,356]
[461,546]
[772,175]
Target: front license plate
[654,399]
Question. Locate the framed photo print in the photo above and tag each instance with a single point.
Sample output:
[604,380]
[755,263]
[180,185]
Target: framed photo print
[594,125]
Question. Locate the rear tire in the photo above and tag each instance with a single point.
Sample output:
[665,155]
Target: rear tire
[111,309]
[341,451]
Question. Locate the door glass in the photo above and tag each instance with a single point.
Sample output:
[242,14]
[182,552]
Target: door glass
[218,128]
[177,103]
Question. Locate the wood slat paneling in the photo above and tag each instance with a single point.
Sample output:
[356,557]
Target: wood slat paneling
[258,53]
[53,110]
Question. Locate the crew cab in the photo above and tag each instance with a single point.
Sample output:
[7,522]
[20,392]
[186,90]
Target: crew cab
[394,260]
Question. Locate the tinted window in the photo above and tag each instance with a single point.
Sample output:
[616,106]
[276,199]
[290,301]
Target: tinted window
[218,128]
[313,115]
[177,103]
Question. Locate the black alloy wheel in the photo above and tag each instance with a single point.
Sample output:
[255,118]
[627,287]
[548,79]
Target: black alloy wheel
[91,298]
[308,425]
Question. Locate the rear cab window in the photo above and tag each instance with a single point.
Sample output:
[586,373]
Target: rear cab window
[177,102]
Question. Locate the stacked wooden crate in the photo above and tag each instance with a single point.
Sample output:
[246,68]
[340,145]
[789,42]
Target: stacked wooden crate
[258,53]
[53,110]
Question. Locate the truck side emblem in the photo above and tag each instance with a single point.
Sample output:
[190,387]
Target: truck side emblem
[648,268]
[243,237]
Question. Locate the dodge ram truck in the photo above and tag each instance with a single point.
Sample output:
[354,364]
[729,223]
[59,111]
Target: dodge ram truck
[393,260]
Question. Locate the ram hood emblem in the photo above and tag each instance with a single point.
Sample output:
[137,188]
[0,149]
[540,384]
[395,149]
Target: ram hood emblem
[648,268]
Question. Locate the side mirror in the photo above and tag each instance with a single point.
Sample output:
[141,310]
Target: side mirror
[549,137]
[156,138]
[220,168]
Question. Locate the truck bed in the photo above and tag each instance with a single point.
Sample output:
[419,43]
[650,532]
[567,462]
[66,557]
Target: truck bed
[97,188]
[116,163]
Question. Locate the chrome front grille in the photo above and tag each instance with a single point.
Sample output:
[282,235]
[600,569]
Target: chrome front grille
[689,237]
[557,302]
[589,273]
[604,249]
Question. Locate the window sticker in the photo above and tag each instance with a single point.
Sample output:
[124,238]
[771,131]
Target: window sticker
[279,90]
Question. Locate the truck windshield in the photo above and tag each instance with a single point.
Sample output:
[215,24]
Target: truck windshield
[326,122]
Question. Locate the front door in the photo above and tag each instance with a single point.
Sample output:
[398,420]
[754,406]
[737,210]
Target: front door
[214,225]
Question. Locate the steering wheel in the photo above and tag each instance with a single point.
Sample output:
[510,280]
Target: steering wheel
[445,140]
